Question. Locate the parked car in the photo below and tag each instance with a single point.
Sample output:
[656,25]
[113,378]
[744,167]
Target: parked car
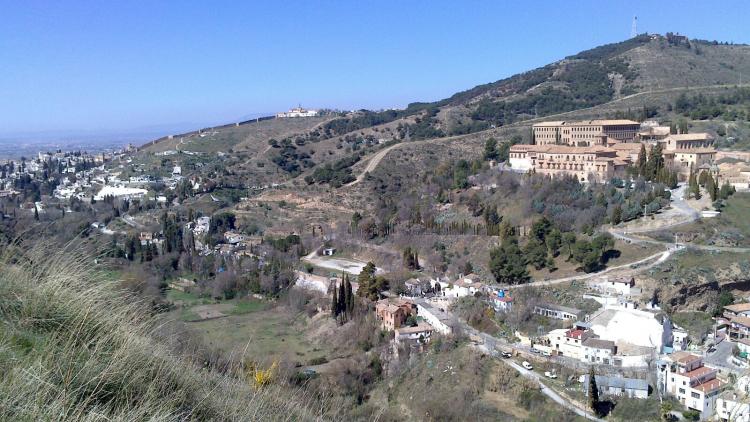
[546,353]
[527,365]
[505,354]
[551,375]
[533,350]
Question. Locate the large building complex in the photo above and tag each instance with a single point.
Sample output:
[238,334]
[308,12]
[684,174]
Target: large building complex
[598,150]
[688,150]
[585,133]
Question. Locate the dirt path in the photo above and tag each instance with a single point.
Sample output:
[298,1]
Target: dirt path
[378,157]
[373,163]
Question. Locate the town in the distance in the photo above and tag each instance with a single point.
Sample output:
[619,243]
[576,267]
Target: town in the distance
[570,243]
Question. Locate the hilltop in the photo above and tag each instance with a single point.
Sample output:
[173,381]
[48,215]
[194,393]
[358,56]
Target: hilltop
[645,73]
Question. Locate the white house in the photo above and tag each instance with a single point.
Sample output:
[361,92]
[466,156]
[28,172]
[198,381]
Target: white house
[618,285]
[436,317]
[596,350]
[691,383]
[619,386]
[557,311]
[734,405]
[297,112]
[501,301]
[419,334]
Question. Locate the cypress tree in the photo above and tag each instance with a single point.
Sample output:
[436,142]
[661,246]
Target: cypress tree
[642,161]
[342,302]
[349,298]
[334,303]
[593,392]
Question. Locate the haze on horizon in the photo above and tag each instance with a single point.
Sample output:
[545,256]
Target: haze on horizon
[106,69]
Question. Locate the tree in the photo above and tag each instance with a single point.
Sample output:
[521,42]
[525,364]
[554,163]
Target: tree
[342,302]
[554,242]
[540,228]
[334,303]
[490,149]
[616,215]
[370,286]
[693,187]
[535,253]
[36,213]
[349,297]
[642,160]
[568,239]
[593,391]
[411,259]
[508,264]
[711,187]
[468,268]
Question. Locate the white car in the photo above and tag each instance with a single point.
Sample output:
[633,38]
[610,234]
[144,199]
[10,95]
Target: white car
[527,365]
[551,375]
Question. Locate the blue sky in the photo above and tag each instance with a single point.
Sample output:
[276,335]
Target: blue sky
[107,67]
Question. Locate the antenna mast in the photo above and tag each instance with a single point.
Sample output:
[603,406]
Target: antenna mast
[634,28]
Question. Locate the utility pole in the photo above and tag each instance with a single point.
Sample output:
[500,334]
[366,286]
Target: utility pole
[634,28]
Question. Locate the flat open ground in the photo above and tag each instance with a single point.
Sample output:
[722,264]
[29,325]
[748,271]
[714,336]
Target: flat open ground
[629,252]
[262,335]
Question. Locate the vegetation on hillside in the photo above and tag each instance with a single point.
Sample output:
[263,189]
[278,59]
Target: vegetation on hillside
[72,348]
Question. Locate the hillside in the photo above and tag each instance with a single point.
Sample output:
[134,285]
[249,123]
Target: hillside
[642,73]
[71,348]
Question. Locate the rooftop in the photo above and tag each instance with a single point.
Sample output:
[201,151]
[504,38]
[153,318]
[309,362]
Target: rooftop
[420,328]
[559,308]
[611,122]
[741,320]
[709,386]
[698,372]
[684,357]
[618,382]
[738,307]
[702,136]
[598,343]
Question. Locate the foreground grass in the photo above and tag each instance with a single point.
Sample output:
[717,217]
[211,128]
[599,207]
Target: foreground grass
[70,349]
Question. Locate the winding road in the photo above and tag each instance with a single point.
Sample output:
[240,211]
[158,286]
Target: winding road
[378,157]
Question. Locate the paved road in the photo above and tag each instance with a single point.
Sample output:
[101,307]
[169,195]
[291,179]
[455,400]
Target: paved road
[550,392]
[722,357]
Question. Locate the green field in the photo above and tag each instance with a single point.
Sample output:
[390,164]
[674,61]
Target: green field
[259,334]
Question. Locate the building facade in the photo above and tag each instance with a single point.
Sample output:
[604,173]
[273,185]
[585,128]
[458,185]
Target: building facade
[691,383]
[584,133]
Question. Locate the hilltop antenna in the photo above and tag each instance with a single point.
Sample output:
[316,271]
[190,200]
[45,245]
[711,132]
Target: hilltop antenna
[634,28]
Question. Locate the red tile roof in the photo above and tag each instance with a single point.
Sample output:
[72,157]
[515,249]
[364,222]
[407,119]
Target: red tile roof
[574,333]
[709,386]
[699,372]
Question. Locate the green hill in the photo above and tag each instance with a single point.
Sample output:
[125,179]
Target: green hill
[72,349]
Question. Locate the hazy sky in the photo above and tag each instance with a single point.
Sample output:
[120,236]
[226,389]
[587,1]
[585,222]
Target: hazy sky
[117,66]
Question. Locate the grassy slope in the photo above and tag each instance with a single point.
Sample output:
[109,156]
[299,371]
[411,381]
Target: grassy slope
[71,350]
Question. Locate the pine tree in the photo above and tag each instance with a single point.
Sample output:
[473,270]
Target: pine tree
[593,392]
[616,215]
[36,213]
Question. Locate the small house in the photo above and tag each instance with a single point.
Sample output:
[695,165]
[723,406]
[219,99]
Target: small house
[619,386]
